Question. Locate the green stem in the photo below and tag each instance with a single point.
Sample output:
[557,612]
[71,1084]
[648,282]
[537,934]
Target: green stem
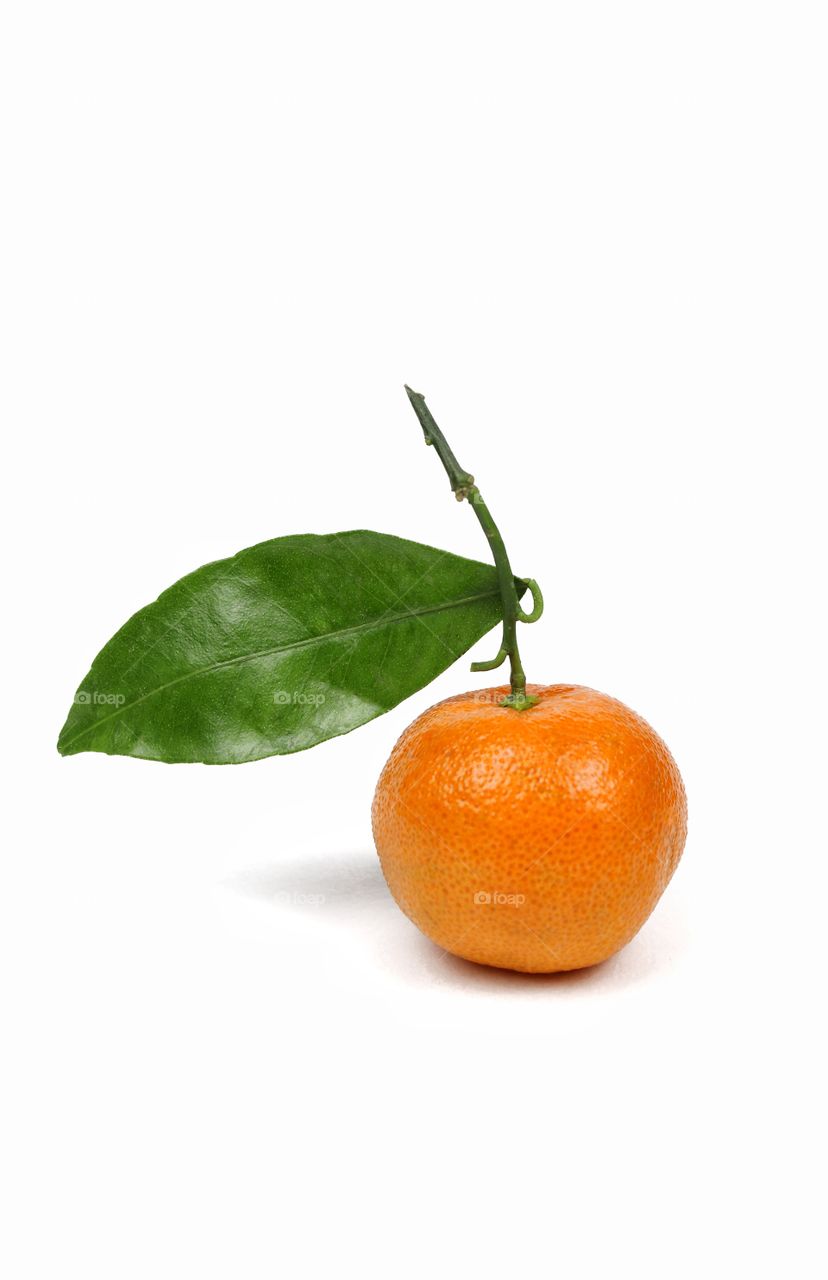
[463,486]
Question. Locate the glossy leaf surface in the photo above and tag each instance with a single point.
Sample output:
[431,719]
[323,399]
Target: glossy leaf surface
[285,644]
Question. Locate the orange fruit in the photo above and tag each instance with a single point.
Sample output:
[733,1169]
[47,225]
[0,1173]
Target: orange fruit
[536,840]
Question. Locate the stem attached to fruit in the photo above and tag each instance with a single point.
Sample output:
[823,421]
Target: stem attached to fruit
[463,486]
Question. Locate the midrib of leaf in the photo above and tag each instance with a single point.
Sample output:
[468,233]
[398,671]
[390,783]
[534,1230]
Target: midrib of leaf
[359,628]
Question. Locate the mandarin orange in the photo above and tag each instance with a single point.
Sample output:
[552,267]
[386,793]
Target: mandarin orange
[537,840]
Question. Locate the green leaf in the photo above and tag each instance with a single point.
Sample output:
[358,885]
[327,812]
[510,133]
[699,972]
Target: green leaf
[278,648]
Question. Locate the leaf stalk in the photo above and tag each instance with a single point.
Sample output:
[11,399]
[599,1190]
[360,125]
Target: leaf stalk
[464,487]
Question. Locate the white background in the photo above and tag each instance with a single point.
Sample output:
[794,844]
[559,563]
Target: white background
[594,235]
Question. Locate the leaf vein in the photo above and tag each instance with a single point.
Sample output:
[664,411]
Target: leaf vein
[360,628]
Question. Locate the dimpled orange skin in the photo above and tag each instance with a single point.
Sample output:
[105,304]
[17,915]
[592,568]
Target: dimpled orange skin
[537,840]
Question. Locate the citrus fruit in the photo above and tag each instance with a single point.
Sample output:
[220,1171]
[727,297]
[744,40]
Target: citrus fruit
[536,840]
